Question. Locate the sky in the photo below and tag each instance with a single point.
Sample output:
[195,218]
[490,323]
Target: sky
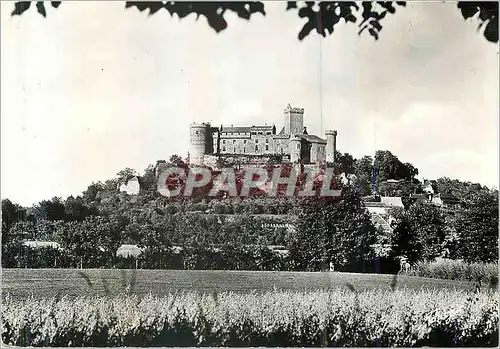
[94,88]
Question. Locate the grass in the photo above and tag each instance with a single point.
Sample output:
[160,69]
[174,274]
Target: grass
[42,283]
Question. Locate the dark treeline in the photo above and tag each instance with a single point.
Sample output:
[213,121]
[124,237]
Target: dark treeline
[235,233]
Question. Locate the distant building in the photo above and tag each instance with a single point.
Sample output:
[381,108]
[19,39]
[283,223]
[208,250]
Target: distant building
[427,188]
[446,201]
[35,244]
[394,181]
[391,201]
[422,198]
[128,250]
[293,142]
[130,185]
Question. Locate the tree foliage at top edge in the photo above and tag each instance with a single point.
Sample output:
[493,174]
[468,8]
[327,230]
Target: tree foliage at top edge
[321,16]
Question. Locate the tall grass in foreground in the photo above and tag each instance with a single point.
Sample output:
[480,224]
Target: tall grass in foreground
[333,318]
[486,273]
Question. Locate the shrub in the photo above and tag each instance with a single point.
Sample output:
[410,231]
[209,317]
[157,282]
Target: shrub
[485,273]
[16,255]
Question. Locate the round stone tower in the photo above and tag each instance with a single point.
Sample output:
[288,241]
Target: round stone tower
[198,142]
[331,145]
[295,148]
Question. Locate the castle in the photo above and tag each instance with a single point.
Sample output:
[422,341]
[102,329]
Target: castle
[293,142]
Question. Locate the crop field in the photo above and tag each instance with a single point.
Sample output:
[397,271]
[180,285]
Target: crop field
[276,318]
[41,283]
[104,307]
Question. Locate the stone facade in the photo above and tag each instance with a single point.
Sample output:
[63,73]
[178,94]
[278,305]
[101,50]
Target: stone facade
[293,142]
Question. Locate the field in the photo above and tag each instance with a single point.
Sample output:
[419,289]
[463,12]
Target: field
[103,307]
[74,282]
[277,318]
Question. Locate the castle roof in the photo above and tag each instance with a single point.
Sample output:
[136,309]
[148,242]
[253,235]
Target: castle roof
[244,129]
[312,138]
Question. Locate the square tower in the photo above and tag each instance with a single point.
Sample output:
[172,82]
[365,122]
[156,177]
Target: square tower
[294,120]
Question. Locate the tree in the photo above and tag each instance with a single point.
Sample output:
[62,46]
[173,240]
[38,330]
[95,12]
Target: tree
[92,242]
[477,228]
[75,209]
[410,171]
[390,167]
[148,180]
[419,233]
[51,210]
[338,231]
[322,19]
[126,173]
[345,162]
[11,214]
[363,170]
[175,160]
[90,194]
[462,190]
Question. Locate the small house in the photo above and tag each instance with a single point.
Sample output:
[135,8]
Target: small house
[130,185]
[391,201]
[446,201]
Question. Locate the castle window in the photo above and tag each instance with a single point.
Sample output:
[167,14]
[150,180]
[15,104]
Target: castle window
[256,141]
[298,145]
[234,150]
[267,140]
[223,141]
[260,133]
[256,148]
[268,133]
[234,141]
[245,141]
[254,133]
[244,149]
[223,148]
[197,132]
[267,147]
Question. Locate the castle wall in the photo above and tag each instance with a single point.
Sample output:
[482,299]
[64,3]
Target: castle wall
[282,145]
[295,149]
[318,152]
[314,152]
[252,144]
